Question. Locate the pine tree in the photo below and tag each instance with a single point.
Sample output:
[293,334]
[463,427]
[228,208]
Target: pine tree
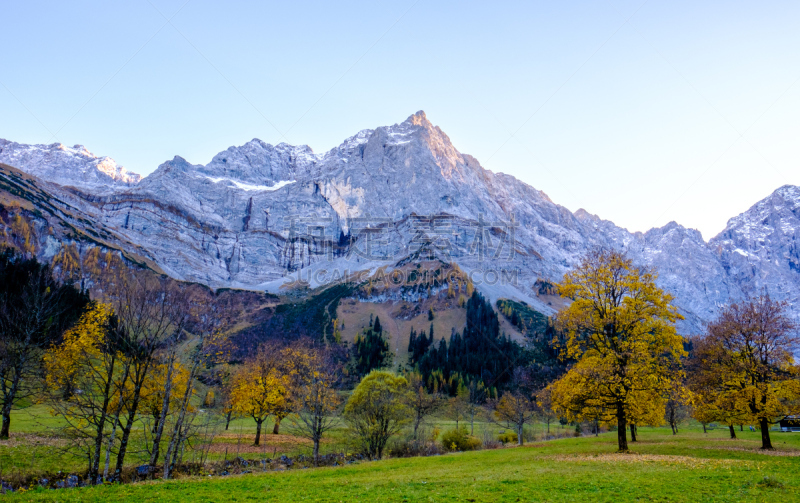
[371,350]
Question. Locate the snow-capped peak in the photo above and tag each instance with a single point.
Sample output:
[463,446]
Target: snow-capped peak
[68,166]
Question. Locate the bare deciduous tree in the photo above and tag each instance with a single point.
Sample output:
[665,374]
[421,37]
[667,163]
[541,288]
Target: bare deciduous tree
[517,408]
[420,402]
[150,312]
[35,310]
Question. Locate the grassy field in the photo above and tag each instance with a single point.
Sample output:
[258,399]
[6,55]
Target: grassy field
[691,466]
[35,447]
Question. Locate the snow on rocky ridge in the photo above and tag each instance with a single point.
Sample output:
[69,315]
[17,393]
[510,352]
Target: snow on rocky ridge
[260,215]
[67,166]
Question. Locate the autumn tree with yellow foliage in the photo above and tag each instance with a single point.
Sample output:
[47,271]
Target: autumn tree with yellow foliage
[620,331]
[745,364]
[261,386]
[313,396]
[86,375]
[153,391]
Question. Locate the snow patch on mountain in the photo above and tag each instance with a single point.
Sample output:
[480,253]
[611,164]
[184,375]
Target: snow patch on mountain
[248,186]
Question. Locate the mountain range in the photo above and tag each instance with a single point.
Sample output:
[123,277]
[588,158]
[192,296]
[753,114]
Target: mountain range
[274,217]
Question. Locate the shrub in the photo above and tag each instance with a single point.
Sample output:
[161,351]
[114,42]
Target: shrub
[410,448]
[209,400]
[459,440]
[508,437]
[770,482]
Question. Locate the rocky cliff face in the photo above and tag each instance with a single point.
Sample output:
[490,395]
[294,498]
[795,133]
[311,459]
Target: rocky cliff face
[259,216]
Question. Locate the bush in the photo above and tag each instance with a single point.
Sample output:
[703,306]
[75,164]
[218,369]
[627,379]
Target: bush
[460,440]
[770,483]
[209,400]
[412,448]
[508,437]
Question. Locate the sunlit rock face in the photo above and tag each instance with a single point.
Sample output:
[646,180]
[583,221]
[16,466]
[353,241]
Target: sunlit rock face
[259,216]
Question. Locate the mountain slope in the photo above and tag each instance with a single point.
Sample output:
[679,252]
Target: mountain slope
[260,216]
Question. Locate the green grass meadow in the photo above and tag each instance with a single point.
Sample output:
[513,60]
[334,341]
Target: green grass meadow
[691,466]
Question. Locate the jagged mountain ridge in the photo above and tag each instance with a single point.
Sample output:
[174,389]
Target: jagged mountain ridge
[68,166]
[258,215]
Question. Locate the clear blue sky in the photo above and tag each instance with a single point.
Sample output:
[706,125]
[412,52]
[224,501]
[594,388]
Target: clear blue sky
[640,112]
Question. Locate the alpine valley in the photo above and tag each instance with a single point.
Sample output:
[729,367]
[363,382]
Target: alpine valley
[385,203]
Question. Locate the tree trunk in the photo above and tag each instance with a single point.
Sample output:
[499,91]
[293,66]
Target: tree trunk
[162,419]
[6,423]
[766,443]
[94,471]
[175,448]
[704,428]
[94,466]
[733,431]
[258,432]
[228,419]
[177,437]
[110,444]
[520,441]
[633,432]
[126,431]
[277,428]
[116,423]
[8,403]
[622,428]
[741,427]
[316,451]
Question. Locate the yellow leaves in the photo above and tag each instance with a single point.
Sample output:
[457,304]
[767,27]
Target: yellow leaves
[68,261]
[620,330]
[337,333]
[154,387]
[210,399]
[82,346]
[263,385]
[256,394]
[22,230]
